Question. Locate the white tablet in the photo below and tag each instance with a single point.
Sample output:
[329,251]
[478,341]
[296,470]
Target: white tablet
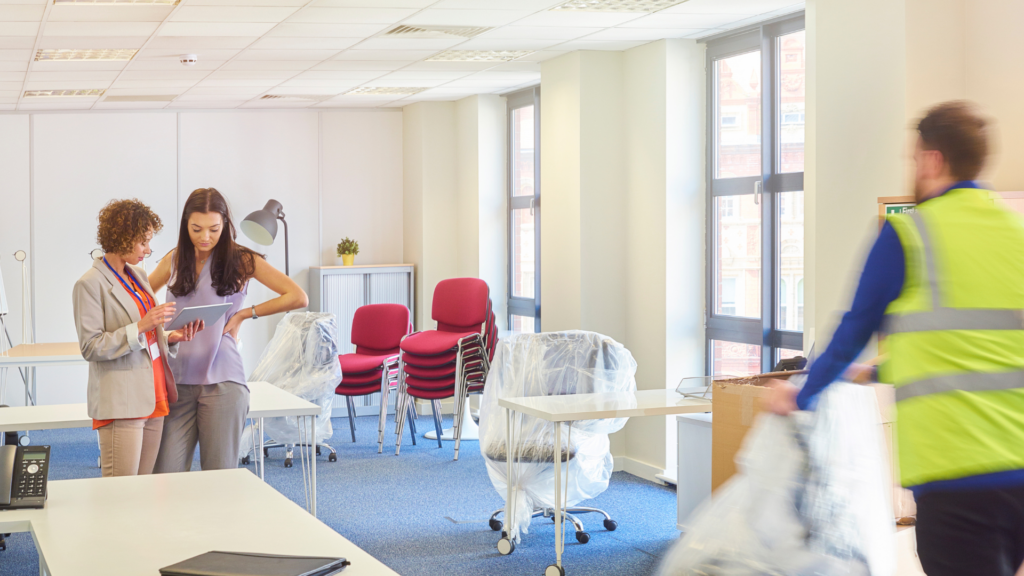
[208,314]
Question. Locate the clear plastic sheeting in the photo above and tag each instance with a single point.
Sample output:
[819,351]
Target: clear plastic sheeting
[302,359]
[811,497]
[551,364]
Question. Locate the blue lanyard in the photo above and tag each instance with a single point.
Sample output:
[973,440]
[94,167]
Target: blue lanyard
[143,301]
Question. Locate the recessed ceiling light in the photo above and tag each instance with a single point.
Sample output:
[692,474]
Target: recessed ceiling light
[119,2]
[411,31]
[383,91]
[50,93]
[479,55]
[618,5]
[300,97]
[63,54]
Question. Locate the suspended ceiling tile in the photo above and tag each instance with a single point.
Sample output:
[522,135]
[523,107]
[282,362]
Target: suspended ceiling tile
[24,29]
[531,5]
[67,103]
[401,83]
[263,83]
[317,14]
[33,2]
[608,45]
[255,75]
[10,94]
[743,7]
[15,55]
[542,56]
[375,3]
[312,30]
[9,105]
[381,43]
[642,34]
[517,66]
[269,3]
[63,85]
[23,42]
[107,13]
[21,13]
[278,104]
[91,42]
[195,43]
[442,17]
[12,76]
[100,28]
[10,85]
[578,18]
[237,91]
[270,65]
[507,75]
[505,44]
[232,14]
[284,43]
[211,102]
[173,64]
[190,75]
[286,54]
[172,55]
[216,28]
[467,66]
[359,54]
[145,91]
[107,75]
[13,65]
[327,76]
[517,32]
[683,21]
[317,90]
[414,76]
[102,105]
[383,65]
[182,85]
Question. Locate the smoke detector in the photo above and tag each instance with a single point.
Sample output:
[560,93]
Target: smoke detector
[189,59]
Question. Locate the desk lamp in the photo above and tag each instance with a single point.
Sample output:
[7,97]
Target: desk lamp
[261,227]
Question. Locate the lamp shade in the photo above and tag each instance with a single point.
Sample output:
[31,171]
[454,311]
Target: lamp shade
[261,225]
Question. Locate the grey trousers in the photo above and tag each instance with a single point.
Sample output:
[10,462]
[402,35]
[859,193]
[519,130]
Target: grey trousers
[212,415]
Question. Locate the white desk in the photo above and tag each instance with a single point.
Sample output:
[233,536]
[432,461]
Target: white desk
[265,401]
[135,525]
[32,356]
[574,407]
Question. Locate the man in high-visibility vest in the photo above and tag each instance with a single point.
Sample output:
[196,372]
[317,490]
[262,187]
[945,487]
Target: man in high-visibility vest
[945,283]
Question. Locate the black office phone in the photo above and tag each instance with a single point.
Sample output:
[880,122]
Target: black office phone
[23,473]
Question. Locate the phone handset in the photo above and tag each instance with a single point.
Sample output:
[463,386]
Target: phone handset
[8,457]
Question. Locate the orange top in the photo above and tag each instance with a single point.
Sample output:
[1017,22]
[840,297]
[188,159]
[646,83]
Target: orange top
[160,385]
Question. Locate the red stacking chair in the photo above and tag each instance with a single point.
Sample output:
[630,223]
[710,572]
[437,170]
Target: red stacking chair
[377,331]
[453,360]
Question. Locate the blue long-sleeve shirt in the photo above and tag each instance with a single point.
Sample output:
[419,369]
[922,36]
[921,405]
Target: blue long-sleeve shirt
[880,283]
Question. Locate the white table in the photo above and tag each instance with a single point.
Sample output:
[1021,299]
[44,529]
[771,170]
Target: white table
[570,408]
[265,401]
[31,356]
[135,525]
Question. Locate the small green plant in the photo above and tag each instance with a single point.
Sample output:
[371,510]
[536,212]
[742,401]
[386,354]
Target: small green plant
[348,246]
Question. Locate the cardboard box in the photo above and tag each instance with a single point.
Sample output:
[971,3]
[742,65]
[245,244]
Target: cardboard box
[736,403]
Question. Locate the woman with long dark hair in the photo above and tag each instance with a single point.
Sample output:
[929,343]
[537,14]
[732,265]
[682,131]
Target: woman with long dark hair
[209,267]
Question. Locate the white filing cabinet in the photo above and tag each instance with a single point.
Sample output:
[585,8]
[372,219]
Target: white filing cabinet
[343,289]
[693,478]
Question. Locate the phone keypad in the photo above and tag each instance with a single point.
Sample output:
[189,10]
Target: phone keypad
[32,480]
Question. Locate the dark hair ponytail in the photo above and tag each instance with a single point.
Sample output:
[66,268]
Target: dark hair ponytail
[231,264]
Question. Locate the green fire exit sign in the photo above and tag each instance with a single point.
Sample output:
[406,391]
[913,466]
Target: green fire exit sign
[899,208]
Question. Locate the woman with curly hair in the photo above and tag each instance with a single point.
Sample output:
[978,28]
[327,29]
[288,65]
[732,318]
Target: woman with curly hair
[209,267]
[121,335]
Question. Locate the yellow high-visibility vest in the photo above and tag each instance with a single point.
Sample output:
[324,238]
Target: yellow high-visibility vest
[956,338]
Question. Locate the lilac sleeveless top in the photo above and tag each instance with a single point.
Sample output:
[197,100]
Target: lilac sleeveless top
[211,357]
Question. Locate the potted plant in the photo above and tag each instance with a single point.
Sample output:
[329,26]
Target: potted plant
[348,249]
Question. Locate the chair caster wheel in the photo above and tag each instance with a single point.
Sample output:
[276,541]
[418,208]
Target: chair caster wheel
[582,537]
[554,571]
[317,450]
[266,452]
[506,546]
[246,461]
[610,525]
[495,524]
[287,462]
[333,457]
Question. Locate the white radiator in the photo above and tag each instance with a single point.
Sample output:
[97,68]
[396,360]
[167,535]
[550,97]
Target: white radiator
[343,289]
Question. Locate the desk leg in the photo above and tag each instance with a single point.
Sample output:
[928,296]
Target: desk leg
[259,449]
[559,537]
[312,457]
[35,398]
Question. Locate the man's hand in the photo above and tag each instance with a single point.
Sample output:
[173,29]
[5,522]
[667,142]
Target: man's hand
[782,398]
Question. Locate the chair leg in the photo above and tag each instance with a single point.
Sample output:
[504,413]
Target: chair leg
[351,420]
[412,424]
[436,405]
[382,420]
[401,403]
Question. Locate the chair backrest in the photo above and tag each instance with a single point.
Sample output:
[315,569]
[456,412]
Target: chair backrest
[377,329]
[461,305]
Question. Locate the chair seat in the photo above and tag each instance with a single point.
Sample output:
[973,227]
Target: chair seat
[357,390]
[425,384]
[360,379]
[360,363]
[433,342]
[431,394]
[538,453]
[441,372]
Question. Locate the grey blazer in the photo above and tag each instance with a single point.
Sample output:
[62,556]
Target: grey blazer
[120,369]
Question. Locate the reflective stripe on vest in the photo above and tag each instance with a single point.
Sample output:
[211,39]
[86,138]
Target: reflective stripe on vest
[972,382]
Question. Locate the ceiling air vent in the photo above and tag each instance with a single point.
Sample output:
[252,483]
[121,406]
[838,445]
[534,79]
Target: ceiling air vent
[52,93]
[118,2]
[617,5]
[101,54]
[479,55]
[384,91]
[412,31]
[296,97]
[140,98]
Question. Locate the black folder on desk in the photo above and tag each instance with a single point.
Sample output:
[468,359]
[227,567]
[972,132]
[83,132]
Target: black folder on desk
[252,564]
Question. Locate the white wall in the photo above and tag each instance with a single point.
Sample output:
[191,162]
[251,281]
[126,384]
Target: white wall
[83,160]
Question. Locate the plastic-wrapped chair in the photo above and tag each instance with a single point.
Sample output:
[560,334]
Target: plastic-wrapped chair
[302,359]
[551,364]
[453,360]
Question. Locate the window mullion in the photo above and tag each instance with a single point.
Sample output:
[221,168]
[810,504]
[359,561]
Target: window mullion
[768,221]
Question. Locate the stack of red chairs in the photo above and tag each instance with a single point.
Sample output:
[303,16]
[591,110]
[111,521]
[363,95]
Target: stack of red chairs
[377,331]
[453,360]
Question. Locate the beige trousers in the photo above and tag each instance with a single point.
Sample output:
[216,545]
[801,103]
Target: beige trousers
[129,447]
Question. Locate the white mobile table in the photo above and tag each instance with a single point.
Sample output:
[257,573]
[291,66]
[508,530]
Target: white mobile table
[265,401]
[31,356]
[575,407]
[135,525]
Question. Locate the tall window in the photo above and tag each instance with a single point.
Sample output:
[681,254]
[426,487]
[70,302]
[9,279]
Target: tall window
[755,204]
[524,210]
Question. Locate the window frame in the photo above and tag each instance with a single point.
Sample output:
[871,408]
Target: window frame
[761,331]
[518,305]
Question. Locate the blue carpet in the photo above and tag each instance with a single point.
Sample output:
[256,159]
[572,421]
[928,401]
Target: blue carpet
[422,513]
